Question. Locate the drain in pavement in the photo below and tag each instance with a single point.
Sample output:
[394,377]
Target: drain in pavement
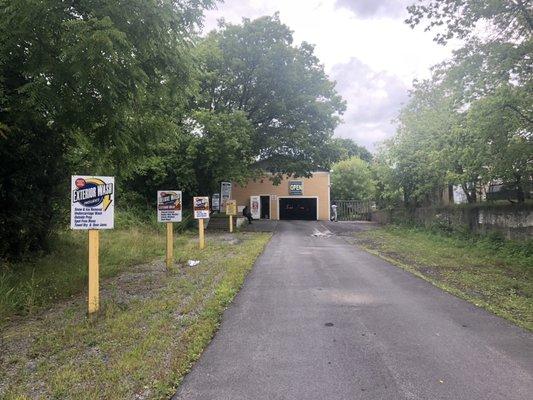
[328,324]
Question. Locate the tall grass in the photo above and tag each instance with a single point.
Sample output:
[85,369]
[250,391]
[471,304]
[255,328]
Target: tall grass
[37,281]
[489,271]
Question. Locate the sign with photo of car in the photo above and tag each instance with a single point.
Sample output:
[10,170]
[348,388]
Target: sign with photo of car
[201,207]
[169,206]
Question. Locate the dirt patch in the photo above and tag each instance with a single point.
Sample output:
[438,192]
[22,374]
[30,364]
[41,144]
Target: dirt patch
[141,282]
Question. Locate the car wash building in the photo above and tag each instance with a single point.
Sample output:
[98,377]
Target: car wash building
[292,199]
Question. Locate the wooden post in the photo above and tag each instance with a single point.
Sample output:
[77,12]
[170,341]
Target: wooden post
[170,244]
[231,223]
[201,232]
[94,248]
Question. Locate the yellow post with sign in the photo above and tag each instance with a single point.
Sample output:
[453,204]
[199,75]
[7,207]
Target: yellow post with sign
[170,244]
[94,288]
[92,208]
[201,233]
[169,211]
[200,207]
[231,210]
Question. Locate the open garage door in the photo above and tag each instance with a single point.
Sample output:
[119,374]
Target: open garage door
[298,208]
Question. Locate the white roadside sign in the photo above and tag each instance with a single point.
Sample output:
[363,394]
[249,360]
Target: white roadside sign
[169,206]
[201,207]
[225,195]
[92,204]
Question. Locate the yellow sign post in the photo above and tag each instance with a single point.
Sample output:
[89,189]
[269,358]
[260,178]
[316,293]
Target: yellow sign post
[200,207]
[92,208]
[94,289]
[170,244]
[231,210]
[169,211]
[201,232]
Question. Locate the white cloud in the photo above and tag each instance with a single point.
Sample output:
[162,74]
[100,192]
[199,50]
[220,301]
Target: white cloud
[373,100]
[375,8]
[366,39]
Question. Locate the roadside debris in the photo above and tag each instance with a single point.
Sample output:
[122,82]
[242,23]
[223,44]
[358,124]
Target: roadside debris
[317,233]
[193,263]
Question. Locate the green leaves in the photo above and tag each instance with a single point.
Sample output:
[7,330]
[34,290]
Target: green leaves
[91,87]
[281,88]
[471,123]
[351,179]
[509,19]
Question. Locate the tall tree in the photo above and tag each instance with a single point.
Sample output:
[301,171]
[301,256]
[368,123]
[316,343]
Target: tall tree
[351,179]
[84,86]
[347,148]
[472,121]
[508,19]
[282,89]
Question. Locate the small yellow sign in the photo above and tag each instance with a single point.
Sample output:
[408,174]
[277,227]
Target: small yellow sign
[231,207]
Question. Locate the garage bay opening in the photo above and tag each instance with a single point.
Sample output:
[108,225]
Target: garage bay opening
[302,208]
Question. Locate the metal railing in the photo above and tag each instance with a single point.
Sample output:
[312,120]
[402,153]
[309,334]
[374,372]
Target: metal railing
[353,210]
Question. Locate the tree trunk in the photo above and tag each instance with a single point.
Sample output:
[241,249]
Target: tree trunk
[520,195]
[471,196]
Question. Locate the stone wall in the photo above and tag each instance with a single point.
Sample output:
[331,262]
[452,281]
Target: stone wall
[512,220]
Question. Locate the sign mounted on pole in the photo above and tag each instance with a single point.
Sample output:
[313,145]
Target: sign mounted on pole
[169,206]
[201,207]
[296,188]
[93,202]
[92,207]
[225,194]
[231,207]
[216,202]
[231,210]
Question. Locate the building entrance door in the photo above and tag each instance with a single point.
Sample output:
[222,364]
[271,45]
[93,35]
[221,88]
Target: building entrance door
[265,207]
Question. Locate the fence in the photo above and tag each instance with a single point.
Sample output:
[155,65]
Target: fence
[353,210]
[514,221]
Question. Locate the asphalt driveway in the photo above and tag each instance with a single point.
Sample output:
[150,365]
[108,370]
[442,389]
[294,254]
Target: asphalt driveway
[320,319]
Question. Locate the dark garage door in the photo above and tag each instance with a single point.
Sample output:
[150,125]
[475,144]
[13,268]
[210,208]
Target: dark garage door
[297,208]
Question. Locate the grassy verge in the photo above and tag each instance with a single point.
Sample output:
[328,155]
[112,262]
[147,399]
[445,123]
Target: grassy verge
[490,272]
[29,285]
[154,323]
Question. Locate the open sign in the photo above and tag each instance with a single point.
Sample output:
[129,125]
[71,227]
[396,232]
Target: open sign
[296,188]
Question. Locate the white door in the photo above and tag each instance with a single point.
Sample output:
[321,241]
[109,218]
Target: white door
[255,207]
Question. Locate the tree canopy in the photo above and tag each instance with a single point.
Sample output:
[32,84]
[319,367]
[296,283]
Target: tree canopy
[282,88]
[130,89]
[351,179]
[471,122]
[347,148]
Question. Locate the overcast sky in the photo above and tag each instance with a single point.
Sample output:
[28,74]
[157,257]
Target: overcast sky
[365,47]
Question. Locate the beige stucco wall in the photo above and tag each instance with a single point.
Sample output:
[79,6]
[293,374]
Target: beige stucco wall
[316,186]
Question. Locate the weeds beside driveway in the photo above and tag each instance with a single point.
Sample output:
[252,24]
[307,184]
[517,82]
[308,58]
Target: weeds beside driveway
[490,272]
[153,324]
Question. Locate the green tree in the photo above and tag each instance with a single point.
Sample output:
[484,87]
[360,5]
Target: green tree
[347,148]
[282,89]
[501,121]
[389,193]
[471,122]
[508,19]
[351,179]
[85,87]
